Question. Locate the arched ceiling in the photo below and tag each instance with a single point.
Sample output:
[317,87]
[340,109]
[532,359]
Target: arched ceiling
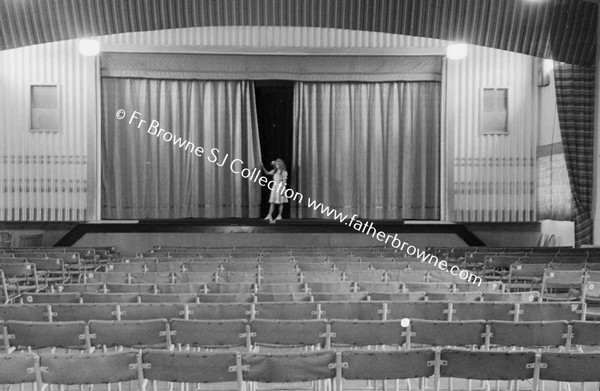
[564,30]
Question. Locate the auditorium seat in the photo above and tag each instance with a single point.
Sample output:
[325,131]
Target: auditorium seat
[333,287]
[282,288]
[320,277]
[570,367]
[130,288]
[366,333]
[444,333]
[81,288]
[226,297]
[528,334]
[283,297]
[487,365]
[315,267]
[361,310]
[49,298]
[397,296]
[84,312]
[380,287]
[129,333]
[365,275]
[193,277]
[339,296]
[288,332]
[39,335]
[16,368]
[454,296]
[512,297]
[292,277]
[168,298]
[149,311]
[191,287]
[231,287]
[585,333]
[298,311]
[110,297]
[210,334]
[190,367]
[429,287]
[431,310]
[89,368]
[563,285]
[207,311]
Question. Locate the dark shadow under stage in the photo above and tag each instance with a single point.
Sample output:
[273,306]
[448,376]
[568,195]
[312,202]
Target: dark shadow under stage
[136,236]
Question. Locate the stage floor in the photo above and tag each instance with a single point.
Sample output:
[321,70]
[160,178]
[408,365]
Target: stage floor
[261,227]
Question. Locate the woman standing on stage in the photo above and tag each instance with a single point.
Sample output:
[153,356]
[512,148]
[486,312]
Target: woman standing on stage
[280,180]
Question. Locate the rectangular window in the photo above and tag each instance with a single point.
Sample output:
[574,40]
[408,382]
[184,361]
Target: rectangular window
[44,108]
[494,115]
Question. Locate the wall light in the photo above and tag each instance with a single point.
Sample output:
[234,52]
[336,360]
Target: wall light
[545,68]
[89,47]
[457,51]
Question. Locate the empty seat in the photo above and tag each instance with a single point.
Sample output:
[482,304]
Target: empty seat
[50,298]
[130,288]
[289,367]
[226,297]
[190,287]
[570,367]
[89,368]
[367,332]
[528,334]
[210,333]
[129,333]
[191,367]
[487,365]
[444,333]
[38,335]
[288,332]
[332,287]
[168,297]
[383,365]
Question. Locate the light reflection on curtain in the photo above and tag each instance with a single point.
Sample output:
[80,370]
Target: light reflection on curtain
[368,148]
[146,177]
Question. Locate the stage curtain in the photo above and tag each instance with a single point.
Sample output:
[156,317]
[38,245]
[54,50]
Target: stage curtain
[368,148]
[145,177]
[575,86]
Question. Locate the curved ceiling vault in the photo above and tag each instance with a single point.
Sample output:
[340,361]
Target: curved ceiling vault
[564,30]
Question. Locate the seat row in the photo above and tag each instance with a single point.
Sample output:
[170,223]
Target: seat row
[271,278]
[214,334]
[252,287]
[361,310]
[333,367]
[260,296]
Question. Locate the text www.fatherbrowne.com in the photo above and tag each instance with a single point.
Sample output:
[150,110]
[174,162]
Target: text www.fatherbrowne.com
[236,166]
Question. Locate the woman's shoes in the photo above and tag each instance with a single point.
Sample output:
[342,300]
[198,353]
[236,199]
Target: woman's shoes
[278,218]
[268,217]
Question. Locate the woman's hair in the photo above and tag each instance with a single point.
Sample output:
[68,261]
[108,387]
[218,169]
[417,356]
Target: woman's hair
[283,167]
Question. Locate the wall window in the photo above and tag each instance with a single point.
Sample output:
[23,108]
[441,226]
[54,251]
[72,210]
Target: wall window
[494,115]
[44,108]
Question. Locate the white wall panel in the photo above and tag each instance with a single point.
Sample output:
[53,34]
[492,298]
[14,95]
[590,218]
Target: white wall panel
[43,176]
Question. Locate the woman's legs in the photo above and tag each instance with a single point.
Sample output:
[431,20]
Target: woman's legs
[280,212]
[271,210]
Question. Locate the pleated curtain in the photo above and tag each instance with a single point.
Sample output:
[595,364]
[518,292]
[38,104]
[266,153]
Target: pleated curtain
[144,177]
[575,88]
[370,149]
